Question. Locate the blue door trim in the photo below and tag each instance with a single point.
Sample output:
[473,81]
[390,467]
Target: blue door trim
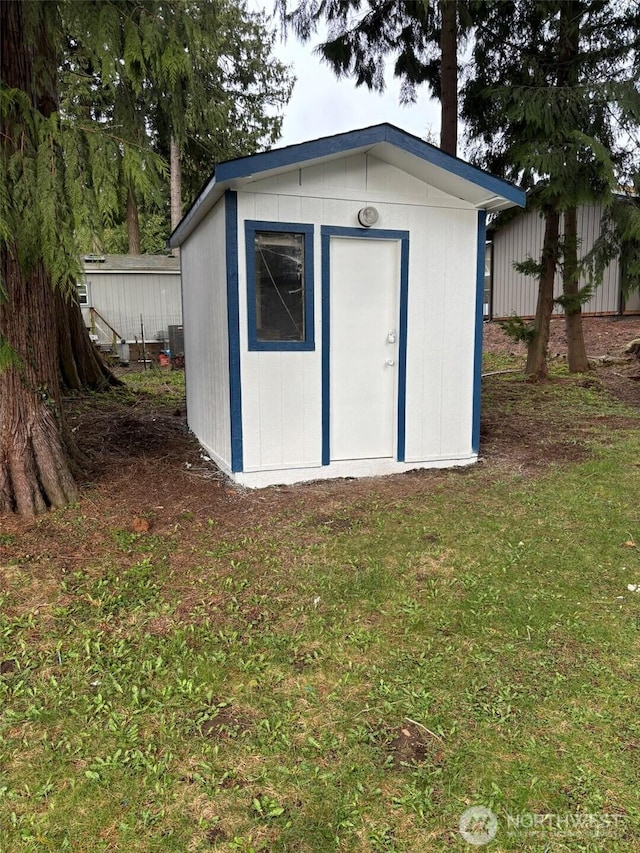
[402,346]
[327,232]
[326,344]
[233,324]
[477,356]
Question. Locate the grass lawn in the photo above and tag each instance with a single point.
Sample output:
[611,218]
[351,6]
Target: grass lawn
[350,679]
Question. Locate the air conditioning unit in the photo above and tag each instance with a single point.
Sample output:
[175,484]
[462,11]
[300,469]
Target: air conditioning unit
[176,340]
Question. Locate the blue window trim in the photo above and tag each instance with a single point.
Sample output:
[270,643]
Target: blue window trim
[477,355]
[233,324]
[308,344]
[327,232]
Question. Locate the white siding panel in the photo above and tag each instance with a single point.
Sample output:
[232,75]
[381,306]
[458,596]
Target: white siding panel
[265,208]
[281,391]
[289,208]
[281,410]
[312,210]
[335,174]
[311,176]
[442,282]
[356,172]
[381,177]
[357,177]
[203,258]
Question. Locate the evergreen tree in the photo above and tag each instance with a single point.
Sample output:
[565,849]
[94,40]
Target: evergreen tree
[421,35]
[58,175]
[552,86]
[203,88]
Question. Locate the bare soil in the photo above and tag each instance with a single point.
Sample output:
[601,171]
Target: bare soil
[147,473]
[605,340]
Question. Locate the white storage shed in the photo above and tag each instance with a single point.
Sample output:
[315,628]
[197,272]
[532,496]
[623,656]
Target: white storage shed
[332,297]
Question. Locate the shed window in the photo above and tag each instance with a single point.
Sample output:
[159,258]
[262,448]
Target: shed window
[280,285]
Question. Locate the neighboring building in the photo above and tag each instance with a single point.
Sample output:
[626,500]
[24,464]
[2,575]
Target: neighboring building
[333,308]
[508,292]
[127,297]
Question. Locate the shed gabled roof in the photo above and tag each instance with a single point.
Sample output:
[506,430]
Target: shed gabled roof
[384,141]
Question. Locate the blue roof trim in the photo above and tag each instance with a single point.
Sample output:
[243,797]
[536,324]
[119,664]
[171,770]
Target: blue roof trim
[246,167]
[233,322]
[477,354]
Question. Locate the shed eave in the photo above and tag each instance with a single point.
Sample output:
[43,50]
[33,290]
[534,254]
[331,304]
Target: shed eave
[386,142]
[208,198]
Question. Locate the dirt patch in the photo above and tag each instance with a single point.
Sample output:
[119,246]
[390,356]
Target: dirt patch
[226,721]
[333,524]
[512,431]
[215,835]
[145,465]
[603,336]
[412,744]
[605,341]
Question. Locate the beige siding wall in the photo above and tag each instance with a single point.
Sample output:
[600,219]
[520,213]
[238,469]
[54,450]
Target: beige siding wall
[122,297]
[206,335]
[632,303]
[514,293]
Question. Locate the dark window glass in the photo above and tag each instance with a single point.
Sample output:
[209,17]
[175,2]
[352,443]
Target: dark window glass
[279,259]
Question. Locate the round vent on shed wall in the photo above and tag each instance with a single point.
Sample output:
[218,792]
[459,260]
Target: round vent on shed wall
[367,216]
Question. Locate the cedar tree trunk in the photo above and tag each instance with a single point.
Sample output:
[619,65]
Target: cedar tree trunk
[449,76]
[537,349]
[38,457]
[576,352]
[81,366]
[36,450]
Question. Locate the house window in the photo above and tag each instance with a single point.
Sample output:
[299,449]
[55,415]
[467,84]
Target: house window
[83,292]
[280,286]
[488,260]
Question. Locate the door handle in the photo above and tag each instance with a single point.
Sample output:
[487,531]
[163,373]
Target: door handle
[390,362]
[391,337]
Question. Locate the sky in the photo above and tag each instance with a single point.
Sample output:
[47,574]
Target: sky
[321,105]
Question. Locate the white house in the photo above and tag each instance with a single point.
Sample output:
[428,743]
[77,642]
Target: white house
[510,292]
[332,296]
[128,297]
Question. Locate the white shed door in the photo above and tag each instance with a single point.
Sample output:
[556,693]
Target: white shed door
[365,279]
